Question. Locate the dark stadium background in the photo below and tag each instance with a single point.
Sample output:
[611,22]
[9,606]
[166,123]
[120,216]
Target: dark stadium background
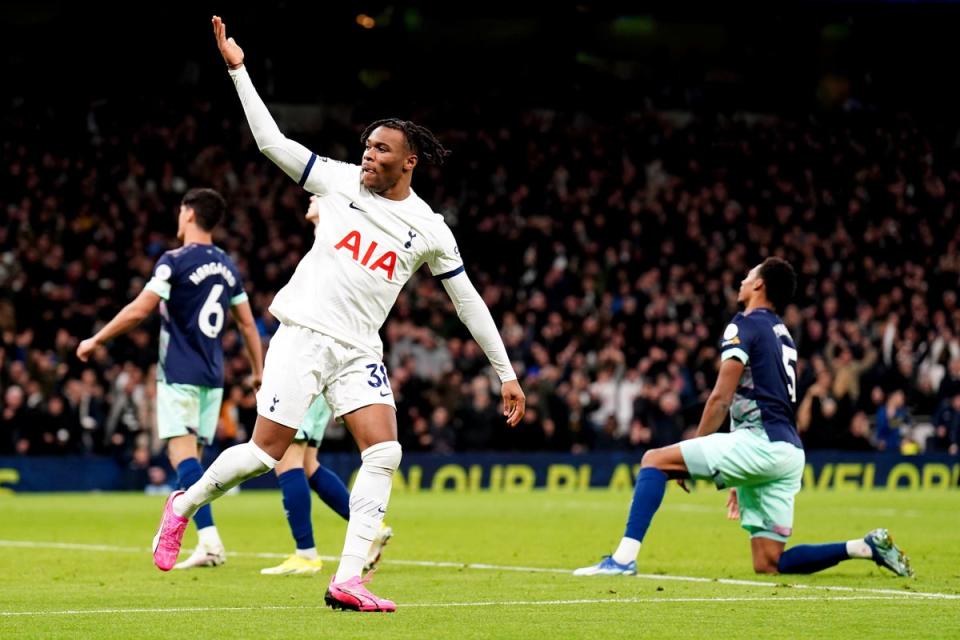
[712,104]
[435,55]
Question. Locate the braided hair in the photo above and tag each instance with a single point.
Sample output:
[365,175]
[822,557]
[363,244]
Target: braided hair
[420,139]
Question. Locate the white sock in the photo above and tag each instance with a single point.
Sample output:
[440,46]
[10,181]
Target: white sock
[209,537]
[356,544]
[859,549]
[309,554]
[627,551]
[233,466]
[368,504]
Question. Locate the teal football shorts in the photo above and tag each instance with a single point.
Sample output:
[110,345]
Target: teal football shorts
[766,475]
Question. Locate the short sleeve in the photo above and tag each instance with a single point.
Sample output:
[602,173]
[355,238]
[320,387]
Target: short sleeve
[736,340]
[238,294]
[322,175]
[162,277]
[445,261]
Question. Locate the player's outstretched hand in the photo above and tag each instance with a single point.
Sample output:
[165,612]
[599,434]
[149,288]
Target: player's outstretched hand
[733,507]
[229,49]
[86,348]
[514,402]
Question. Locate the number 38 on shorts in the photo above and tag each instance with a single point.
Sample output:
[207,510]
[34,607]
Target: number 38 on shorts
[378,376]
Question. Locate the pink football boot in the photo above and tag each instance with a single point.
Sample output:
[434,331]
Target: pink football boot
[166,544]
[351,595]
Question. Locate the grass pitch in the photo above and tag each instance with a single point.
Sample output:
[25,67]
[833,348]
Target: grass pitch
[478,565]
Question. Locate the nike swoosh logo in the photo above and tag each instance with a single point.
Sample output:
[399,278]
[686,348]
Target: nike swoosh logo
[382,510]
[353,206]
[384,395]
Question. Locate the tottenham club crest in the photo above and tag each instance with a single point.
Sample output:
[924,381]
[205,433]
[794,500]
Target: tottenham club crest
[409,243]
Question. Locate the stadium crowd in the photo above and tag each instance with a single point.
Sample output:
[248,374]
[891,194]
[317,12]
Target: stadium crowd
[610,252]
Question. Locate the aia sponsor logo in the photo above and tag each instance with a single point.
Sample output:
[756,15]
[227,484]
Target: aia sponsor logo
[368,257]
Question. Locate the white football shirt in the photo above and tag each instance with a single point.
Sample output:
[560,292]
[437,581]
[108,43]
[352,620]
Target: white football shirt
[366,248]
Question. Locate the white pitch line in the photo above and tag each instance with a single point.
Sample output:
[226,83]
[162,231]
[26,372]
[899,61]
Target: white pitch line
[70,546]
[433,605]
[76,546]
[817,587]
[495,567]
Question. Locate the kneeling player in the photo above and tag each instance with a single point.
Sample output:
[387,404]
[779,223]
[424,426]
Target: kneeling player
[761,459]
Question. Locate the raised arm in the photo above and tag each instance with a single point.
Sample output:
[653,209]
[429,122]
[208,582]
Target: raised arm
[292,157]
[476,316]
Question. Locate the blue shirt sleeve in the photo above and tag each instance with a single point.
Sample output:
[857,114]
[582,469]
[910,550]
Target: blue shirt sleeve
[238,294]
[737,339]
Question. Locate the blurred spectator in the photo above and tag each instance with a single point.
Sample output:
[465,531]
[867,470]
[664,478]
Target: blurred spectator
[418,438]
[608,249]
[604,391]
[857,437]
[138,469]
[16,423]
[157,482]
[893,422]
[479,419]
[848,367]
[823,416]
[950,384]
[61,431]
[442,435]
[640,435]
[235,411]
[946,423]
[666,421]
[128,408]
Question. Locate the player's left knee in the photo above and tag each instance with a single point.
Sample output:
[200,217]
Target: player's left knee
[652,458]
[384,456]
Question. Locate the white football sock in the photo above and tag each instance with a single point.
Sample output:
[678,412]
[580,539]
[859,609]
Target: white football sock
[233,466]
[360,532]
[309,554]
[859,549]
[209,537]
[368,505]
[627,551]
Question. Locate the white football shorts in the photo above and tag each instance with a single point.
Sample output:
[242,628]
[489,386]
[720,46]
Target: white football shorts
[302,363]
